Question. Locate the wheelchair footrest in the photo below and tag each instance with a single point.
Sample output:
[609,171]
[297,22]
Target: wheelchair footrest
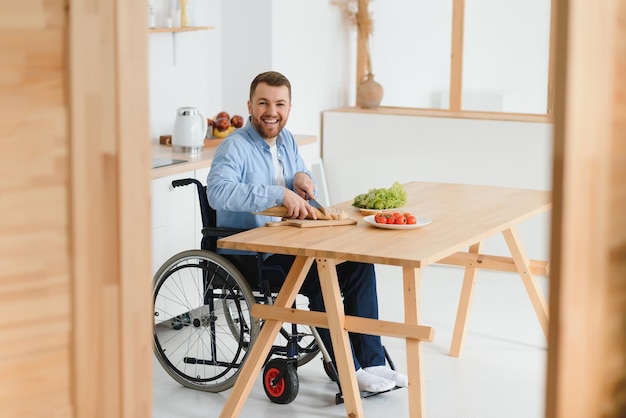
[364,394]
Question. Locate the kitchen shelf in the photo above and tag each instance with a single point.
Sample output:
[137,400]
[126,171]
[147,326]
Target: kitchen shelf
[182,29]
[176,30]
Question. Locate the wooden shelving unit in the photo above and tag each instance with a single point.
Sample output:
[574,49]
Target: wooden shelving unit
[182,29]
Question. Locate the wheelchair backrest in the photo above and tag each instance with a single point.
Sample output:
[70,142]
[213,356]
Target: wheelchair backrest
[210,231]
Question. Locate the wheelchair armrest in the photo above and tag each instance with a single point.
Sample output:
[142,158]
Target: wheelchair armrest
[218,232]
[211,234]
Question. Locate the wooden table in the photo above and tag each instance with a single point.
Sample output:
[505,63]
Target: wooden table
[462,217]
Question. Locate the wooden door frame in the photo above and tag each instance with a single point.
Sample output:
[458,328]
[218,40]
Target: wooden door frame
[110,210]
[586,355]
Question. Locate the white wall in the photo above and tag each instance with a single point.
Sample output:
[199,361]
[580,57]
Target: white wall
[311,48]
[505,53]
[304,39]
[247,49]
[380,149]
[184,67]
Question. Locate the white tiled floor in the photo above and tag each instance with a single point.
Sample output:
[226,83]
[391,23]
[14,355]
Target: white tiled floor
[500,374]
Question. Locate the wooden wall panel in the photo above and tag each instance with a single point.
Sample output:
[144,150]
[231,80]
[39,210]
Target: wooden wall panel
[35,280]
[135,168]
[615,367]
[75,316]
[110,186]
[587,357]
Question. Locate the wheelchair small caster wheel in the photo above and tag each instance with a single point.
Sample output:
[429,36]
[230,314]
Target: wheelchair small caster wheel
[280,381]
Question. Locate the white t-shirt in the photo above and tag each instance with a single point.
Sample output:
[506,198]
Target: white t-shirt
[279,175]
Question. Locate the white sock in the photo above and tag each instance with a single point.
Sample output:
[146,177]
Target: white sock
[386,373]
[371,383]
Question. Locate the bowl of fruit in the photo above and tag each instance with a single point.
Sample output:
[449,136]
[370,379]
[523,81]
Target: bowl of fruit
[223,124]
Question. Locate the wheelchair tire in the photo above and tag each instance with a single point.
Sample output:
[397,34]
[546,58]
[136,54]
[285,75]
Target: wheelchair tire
[203,327]
[284,389]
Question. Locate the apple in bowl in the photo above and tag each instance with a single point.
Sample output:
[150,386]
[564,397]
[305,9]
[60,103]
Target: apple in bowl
[236,121]
[223,114]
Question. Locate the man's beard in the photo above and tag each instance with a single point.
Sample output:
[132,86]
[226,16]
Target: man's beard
[268,132]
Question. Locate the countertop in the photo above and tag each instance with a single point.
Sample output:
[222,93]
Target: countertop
[200,159]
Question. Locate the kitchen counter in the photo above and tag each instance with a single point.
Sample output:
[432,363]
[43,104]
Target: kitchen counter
[197,160]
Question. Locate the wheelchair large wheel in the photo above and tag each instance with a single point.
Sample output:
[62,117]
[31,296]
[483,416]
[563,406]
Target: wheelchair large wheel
[203,327]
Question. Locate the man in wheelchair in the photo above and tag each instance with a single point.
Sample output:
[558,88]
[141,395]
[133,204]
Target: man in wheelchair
[259,166]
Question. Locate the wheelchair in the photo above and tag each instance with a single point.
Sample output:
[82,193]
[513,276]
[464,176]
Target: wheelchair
[203,327]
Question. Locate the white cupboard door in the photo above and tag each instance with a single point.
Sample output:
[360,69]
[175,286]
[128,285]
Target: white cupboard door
[173,218]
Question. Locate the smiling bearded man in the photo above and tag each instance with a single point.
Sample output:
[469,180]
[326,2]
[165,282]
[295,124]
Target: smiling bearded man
[259,166]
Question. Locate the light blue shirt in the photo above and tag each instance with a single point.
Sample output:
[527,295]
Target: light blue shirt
[241,179]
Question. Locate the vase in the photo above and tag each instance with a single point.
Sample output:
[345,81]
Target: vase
[184,13]
[369,93]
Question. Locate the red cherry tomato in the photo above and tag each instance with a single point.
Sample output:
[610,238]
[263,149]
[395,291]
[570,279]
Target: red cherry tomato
[400,220]
[411,220]
[391,220]
[381,220]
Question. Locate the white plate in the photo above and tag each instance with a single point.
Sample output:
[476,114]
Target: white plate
[365,212]
[421,221]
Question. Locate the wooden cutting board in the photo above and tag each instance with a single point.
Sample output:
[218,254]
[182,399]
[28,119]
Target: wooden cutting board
[310,223]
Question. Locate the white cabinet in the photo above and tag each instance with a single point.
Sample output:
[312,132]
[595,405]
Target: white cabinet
[176,218]
[364,150]
[173,221]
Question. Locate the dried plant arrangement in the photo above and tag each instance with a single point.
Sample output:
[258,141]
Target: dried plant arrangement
[359,18]
[350,11]
[356,14]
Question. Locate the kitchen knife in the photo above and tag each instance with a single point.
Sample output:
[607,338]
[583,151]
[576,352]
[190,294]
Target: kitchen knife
[317,205]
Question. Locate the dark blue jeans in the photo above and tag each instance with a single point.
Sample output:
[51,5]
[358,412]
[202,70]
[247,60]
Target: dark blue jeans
[357,282]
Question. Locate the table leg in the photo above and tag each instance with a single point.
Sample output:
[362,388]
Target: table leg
[530,283]
[412,278]
[333,303]
[465,303]
[261,347]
